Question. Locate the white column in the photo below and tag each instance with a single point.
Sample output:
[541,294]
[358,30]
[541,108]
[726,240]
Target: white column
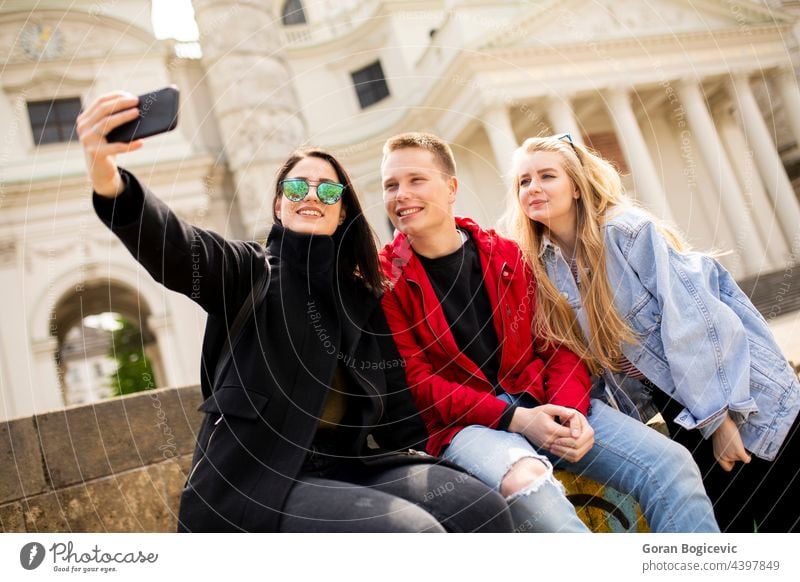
[562,118]
[258,128]
[167,342]
[730,131]
[29,379]
[733,203]
[790,95]
[767,159]
[497,122]
[645,178]
[48,394]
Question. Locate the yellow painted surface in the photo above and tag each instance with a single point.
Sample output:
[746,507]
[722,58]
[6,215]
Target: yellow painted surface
[602,508]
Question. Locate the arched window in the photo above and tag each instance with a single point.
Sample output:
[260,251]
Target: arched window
[293,13]
[105,346]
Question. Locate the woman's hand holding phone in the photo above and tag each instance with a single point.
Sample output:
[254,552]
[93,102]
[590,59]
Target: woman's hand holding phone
[93,125]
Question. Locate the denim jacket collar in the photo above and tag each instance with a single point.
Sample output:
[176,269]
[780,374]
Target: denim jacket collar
[547,244]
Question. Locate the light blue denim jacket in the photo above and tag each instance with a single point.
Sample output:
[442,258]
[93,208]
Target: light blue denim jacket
[701,339]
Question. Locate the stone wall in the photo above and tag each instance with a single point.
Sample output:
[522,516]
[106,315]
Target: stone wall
[115,466]
[119,466]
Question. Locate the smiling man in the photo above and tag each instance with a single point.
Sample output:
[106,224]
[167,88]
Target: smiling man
[496,400]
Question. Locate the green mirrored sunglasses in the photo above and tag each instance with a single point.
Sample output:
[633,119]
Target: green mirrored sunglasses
[295,189]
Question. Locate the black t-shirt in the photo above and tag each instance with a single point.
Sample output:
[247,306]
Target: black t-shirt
[457,279]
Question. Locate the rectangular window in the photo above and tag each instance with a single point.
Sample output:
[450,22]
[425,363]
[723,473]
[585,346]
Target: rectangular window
[370,84]
[54,121]
[293,13]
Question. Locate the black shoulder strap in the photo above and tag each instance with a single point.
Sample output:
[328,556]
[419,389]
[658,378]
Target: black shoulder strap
[247,310]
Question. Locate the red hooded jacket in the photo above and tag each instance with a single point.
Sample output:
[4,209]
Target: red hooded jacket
[450,389]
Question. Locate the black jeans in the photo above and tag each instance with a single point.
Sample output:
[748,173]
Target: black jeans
[761,496]
[408,498]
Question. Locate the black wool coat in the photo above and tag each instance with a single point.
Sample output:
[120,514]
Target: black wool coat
[264,412]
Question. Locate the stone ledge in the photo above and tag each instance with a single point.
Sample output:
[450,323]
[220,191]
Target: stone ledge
[115,466]
[21,459]
[89,442]
[11,518]
[141,500]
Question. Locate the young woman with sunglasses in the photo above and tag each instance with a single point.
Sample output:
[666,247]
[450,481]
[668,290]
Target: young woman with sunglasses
[309,428]
[621,289]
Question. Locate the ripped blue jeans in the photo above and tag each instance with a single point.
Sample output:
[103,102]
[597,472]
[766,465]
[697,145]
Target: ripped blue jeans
[627,455]
[489,454]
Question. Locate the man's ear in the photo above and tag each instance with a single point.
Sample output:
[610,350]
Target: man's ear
[452,183]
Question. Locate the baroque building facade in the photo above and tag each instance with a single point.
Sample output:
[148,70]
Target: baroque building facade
[696,101]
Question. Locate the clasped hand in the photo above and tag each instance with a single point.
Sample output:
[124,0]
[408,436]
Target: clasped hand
[562,431]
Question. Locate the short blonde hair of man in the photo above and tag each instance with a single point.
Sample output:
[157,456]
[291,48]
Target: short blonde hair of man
[440,149]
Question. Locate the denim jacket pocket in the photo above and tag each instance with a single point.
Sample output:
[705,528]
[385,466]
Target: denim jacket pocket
[645,316]
[769,371]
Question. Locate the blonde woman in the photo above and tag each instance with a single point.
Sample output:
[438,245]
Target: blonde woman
[655,320]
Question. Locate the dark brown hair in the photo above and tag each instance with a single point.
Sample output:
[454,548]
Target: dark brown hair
[356,250]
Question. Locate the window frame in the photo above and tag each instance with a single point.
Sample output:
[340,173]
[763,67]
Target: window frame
[293,13]
[371,89]
[53,118]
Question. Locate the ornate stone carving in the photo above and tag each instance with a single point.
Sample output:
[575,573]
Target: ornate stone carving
[254,96]
[260,135]
[251,81]
[67,36]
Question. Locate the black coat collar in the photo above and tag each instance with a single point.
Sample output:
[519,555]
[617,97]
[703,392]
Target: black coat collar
[311,253]
[314,258]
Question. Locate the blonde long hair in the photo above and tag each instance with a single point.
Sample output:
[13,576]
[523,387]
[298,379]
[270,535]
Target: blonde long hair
[601,192]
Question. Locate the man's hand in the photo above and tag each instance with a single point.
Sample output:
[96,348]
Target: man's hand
[565,432]
[581,437]
[728,445]
[100,117]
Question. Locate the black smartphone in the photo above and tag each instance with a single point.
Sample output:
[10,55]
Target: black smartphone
[158,113]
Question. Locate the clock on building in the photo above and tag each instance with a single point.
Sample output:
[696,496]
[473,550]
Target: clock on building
[42,41]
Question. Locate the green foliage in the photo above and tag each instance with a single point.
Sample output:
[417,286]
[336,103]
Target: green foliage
[134,372]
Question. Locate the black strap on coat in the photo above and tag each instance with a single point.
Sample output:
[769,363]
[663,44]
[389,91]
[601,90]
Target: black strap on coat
[248,309]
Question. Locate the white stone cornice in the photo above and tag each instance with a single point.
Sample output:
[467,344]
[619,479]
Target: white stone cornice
[590,76]
[44,83]
[348,29]
[82,36]
[66,187]
[636,46]
[558,21]
[44,347]
[260,5]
